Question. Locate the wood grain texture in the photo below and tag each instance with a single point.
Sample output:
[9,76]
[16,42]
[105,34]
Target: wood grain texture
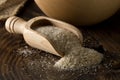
[11,65]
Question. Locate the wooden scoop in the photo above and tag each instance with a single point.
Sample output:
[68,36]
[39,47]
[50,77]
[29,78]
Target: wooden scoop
[35,39]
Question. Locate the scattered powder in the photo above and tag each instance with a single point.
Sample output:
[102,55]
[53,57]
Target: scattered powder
[75,56]
[24,51]
[36,63]
[41,65]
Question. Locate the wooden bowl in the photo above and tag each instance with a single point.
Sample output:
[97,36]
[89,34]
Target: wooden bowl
[79,12]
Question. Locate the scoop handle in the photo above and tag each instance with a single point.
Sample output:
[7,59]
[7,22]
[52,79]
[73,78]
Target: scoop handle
[15,25]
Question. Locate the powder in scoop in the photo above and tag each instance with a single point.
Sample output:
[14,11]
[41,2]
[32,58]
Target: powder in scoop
[62,39]
[75,56]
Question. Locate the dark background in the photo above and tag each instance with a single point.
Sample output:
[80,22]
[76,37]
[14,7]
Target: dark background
[104,37]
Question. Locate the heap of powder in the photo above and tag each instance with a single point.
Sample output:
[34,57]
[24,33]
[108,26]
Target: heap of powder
[66,42]
[78,59]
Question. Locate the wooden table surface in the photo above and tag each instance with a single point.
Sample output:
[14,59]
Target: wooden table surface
[106,33]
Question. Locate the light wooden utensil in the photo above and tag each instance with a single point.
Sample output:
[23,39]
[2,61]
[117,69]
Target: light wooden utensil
[35,39]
